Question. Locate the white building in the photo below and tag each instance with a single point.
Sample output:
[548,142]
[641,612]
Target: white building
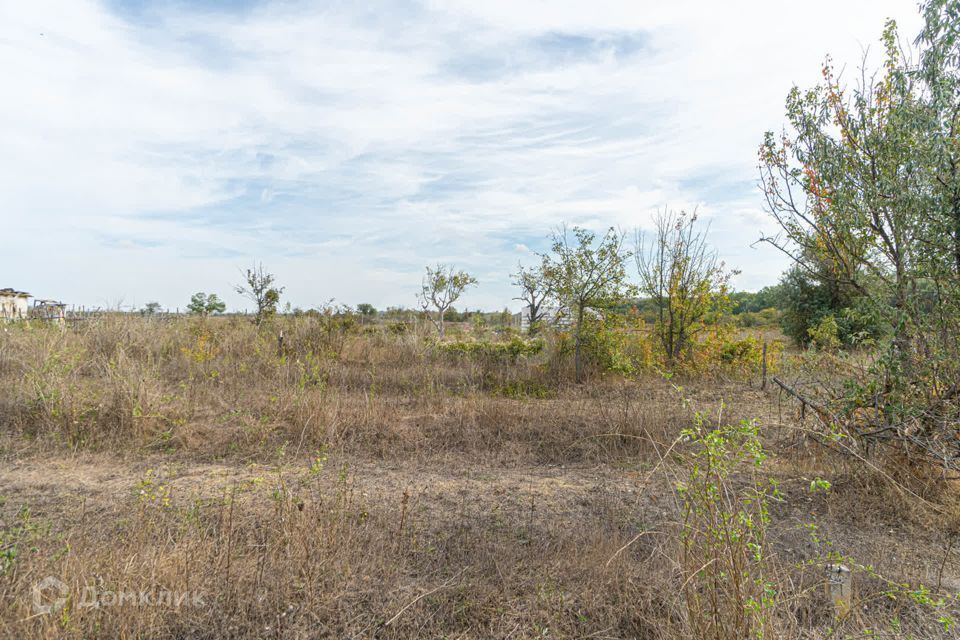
[550,316]
[13,304]
[560,318]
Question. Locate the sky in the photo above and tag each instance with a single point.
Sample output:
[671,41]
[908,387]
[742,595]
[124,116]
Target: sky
[155,148]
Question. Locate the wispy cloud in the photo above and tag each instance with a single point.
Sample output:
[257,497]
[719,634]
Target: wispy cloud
[154,148]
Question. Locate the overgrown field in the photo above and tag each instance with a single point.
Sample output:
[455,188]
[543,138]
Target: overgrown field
[197,478]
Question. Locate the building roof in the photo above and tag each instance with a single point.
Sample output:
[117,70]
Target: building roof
[14,293]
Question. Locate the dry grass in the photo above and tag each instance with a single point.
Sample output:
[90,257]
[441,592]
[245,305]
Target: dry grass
[361,484]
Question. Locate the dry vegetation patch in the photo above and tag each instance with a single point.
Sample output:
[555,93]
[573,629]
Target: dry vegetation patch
[371,485]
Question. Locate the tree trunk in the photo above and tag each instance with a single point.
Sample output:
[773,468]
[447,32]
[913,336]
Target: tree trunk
[671,332]
[956,231]
[902,341]
[577,360]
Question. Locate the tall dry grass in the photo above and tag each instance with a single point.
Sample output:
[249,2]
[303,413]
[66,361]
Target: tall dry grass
[221,387]
[361,482]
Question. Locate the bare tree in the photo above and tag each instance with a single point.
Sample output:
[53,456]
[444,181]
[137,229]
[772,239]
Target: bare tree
[682,276]
[441,287]
[536,288]
[259,288]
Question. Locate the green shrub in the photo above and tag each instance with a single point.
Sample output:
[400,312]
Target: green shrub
[764,317]
[724,558]
[826,334]
[809,299]
[511,350]
[618,344]
[398,328]
[523,389]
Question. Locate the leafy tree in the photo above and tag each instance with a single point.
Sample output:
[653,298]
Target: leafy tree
[505,319]
[863,186]
[215,304]
[683,277]
[770,297]
[536,288]
[206,304]
[198,304]
[441,287]
[808,297]
[150,309]
[848,187]
[584,274]
[259,288]
[940,73]
[366,309]
[807,302]
[452,315]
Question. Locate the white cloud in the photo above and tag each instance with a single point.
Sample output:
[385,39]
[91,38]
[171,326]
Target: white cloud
[347,146]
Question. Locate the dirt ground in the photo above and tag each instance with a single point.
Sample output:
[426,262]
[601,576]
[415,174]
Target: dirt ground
[425,500]
[72,491]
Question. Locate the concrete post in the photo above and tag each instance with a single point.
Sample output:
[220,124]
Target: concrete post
[840,588]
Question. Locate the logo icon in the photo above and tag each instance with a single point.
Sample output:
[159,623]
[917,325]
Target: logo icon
[44,589]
